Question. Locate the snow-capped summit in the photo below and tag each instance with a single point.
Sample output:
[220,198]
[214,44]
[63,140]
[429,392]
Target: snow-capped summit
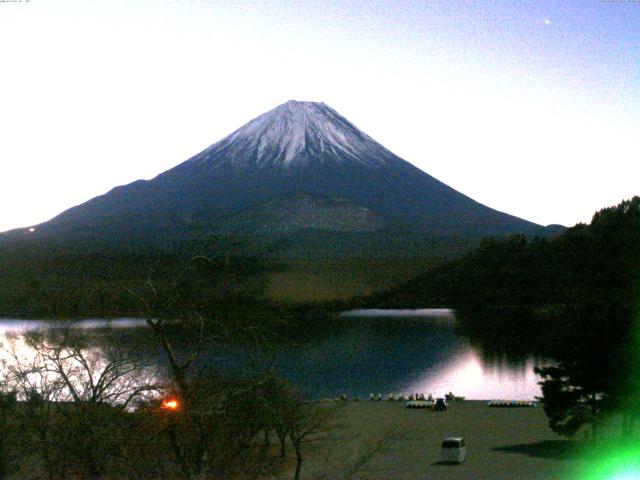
[295,133]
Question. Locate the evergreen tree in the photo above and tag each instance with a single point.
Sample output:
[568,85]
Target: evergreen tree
[597,343]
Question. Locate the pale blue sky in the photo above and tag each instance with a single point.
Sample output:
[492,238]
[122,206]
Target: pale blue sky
[531,107]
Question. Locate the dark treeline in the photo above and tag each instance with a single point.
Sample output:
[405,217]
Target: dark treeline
[38,281]
[511,271]
[515,271]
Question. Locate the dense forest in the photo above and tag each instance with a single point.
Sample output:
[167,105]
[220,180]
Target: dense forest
[516,271]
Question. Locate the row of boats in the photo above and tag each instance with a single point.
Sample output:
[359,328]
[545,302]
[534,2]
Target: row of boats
[512,404]
[449,397]
[420,400]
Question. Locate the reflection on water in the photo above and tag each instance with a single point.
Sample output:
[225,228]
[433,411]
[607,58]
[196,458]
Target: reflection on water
[471,377]
[432,356]
[405,312]
[401,352]
[8,325]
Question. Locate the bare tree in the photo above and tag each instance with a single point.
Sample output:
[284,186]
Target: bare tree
[182,302]
[357,453]
[211,408]
[160,306]
[8,451]
[64,366]
[76,395]
[275,399]
[40,391]
[304,419]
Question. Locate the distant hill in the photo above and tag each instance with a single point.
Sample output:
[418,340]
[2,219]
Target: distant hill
[297,169]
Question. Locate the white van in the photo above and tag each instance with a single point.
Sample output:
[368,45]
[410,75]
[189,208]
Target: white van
[454,450]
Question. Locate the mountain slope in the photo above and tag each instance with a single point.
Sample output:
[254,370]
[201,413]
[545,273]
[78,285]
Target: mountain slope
[296,148]
[302,211]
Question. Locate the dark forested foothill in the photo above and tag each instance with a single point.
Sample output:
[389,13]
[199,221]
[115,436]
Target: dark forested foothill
[40,280]
[511,271]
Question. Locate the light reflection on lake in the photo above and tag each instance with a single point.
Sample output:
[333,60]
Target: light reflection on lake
[465,373]
[469,376]
[400,312]
[11,325]
[401,351]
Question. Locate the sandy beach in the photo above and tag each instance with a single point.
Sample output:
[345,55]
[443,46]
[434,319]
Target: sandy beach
[385,440]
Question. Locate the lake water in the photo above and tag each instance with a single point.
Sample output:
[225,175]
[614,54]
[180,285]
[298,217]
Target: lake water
[375,351]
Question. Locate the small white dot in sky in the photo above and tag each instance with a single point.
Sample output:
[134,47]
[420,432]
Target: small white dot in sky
[547,21]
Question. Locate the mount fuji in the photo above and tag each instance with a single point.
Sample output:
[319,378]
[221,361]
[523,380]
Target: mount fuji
[299,167]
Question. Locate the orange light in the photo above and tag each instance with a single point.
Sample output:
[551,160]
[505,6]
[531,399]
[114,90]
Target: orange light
[170,404]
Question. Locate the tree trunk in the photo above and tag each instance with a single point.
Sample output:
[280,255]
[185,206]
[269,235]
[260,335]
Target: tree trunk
[4,470]
[283,446]
[180,456]
[48,464]
[298,463]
